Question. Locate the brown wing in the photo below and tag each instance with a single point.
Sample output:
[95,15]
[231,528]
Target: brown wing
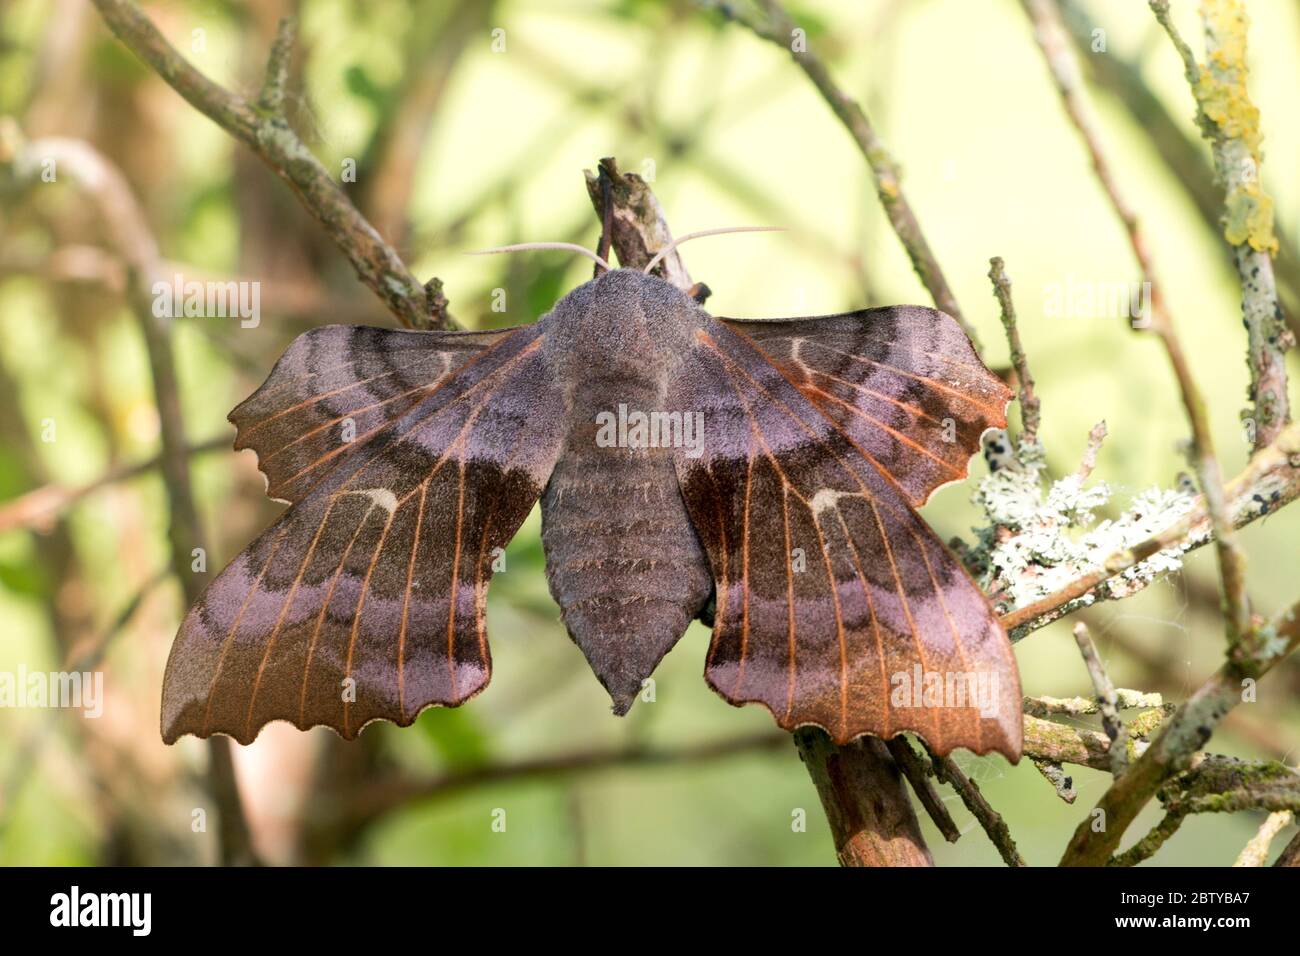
[836,604]
[365,600]
[904,383]
[337,386]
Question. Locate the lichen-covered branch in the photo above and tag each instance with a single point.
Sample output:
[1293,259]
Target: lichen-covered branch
[1055,774]
[1064,68]
[1211,783]
[1229,120]
[262,127]
[1125,699]
[1122,74]
[1270,481]
[1048,741]
[1178,741]
[1217,784]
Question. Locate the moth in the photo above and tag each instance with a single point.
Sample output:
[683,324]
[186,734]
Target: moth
[409,459]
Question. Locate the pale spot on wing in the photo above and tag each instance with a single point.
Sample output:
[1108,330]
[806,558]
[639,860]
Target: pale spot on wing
[380,496]
[826,499]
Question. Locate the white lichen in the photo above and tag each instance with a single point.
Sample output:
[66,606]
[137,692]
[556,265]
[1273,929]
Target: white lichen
[1039,539]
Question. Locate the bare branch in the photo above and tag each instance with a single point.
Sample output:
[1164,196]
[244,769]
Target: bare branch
[1290,855]
[87,657]
[1255,852]
[38,508]
[862,792]
[946,769]
[776,26]
[918,775]
[124,220]
[369,804]
[1030,413]
[1107,700]
[1095,437]
[263,129]
[638,228]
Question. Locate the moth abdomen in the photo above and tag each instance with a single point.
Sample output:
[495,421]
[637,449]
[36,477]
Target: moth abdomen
[622,560]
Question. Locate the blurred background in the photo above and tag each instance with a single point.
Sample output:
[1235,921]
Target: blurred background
[464,137]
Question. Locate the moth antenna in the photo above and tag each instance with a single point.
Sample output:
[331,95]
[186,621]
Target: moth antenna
[705,232]
[570,246]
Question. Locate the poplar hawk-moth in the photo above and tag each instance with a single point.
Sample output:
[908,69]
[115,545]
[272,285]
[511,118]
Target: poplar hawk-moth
[820,436]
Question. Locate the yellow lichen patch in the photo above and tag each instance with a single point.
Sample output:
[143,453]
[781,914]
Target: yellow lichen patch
[1248,217]
[1222,94]
[1233,122]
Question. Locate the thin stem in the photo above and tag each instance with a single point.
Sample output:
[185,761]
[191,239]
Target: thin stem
[368,804]
[777,27]
[998,832]
[130,234]
[41,507]
[1107,700]
[1030,408]
[918,775]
